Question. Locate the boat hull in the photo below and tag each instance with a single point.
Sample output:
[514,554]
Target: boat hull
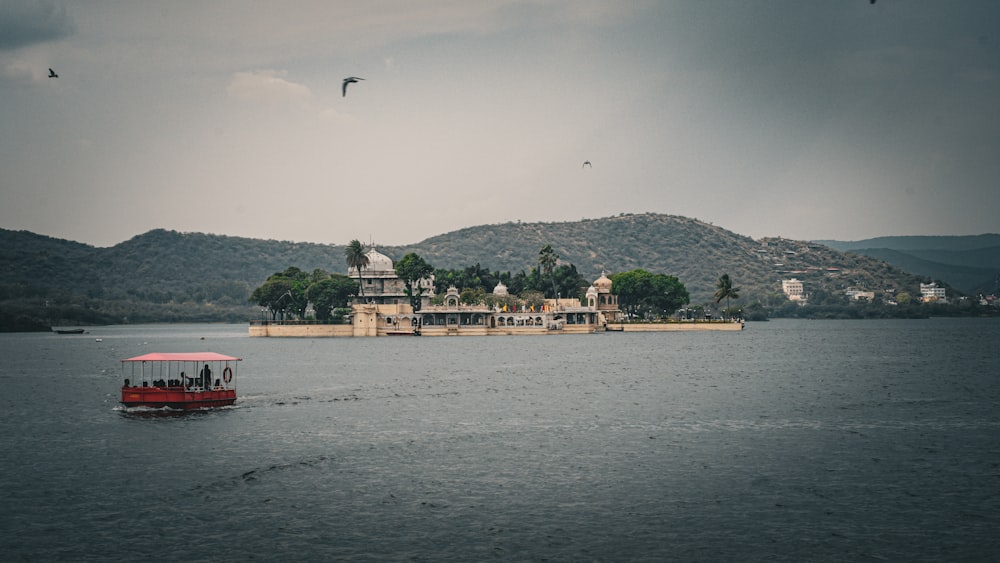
[176,398]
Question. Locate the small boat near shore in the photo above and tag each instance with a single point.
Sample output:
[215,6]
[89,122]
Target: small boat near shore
[161,380]
[68,331]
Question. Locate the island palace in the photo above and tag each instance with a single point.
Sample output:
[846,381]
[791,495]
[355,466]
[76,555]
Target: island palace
[382,308]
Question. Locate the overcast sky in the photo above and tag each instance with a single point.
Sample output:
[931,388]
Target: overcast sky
[826,119]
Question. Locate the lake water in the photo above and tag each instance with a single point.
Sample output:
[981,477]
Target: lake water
[793,440]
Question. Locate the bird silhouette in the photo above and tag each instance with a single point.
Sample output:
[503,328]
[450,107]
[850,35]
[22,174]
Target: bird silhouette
[348,80]
[586,163]
[52,74]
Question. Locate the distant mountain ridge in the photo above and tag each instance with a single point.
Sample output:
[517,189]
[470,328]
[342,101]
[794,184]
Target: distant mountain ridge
[166,275]
[952,243]
[969,263]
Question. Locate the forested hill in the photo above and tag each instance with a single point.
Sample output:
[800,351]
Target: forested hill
[694,251]
[159,276]
[169,276]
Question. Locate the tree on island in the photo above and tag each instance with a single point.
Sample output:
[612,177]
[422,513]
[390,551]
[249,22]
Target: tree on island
[547,260]
[725,290]
[411,269]
[640,293]
[283,292]
[570,283]
[469,277]
[357,259]
[472,296]
[330,293]
[668,295]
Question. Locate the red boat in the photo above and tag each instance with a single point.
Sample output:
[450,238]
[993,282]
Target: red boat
[183,381]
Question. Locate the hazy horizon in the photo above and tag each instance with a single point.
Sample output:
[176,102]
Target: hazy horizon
[377,243]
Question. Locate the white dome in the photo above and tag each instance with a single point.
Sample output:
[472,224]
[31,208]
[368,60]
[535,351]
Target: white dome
[500,289]
[603,282]
[378,262]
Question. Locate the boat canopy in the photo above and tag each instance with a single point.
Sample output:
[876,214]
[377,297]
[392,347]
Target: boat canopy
[183,357]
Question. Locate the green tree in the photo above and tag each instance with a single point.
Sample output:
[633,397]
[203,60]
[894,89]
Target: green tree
[411,269]
[300,282]
[318,274]
[273,294]
[547,260]
[569,282]
[641,293]
[533,280]
[667,295]
[472,296]
[631,287]
[725,290]
[472,277]
[283,293]
[518,283]
[357,259]
[755,312]
[479,277]
[332,292]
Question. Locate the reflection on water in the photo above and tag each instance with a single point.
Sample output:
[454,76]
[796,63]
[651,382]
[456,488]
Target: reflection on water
[801,440]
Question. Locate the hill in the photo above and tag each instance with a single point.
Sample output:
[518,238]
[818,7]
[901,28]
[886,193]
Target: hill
[694,251]
[159,276]
[166,276]
[969,263]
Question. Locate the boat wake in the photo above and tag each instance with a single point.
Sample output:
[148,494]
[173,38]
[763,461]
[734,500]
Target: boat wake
[152,412]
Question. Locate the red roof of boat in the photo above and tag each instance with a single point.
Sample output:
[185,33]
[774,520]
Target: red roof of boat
[183,357]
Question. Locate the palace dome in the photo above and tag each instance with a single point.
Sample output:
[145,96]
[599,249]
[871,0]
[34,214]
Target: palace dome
[603,282]
[500,289]
[378,262]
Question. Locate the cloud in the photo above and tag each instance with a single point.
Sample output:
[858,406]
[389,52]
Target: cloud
[269,87]
[16,72]
[28,22]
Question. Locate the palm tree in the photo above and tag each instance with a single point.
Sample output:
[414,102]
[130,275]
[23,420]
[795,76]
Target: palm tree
[357,259]
[726,290]
[547,259]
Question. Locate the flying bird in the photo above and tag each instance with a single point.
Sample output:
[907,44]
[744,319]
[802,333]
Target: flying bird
[348,80]
[52,74]
[586,163]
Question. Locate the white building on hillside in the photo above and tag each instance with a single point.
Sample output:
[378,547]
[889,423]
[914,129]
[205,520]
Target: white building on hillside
[931,292]
[858,295]
[793,289]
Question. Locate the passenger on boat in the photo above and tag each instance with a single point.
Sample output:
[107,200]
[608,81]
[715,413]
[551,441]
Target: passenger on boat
[205,376]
